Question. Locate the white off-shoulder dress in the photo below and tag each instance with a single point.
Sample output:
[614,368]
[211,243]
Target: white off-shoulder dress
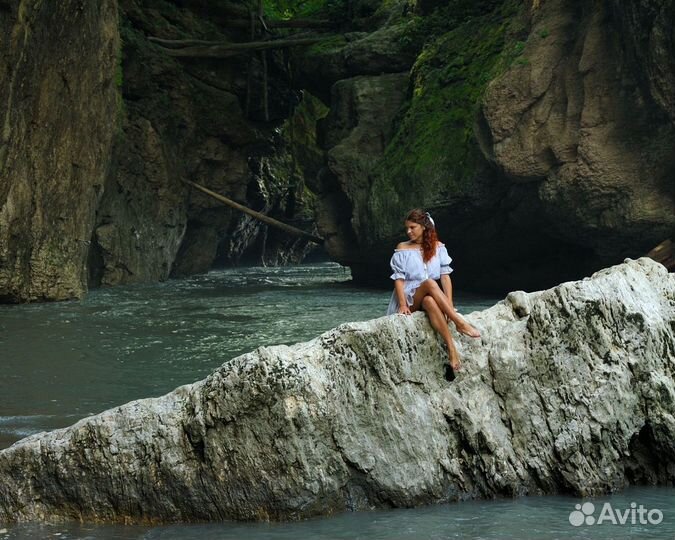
[407,264]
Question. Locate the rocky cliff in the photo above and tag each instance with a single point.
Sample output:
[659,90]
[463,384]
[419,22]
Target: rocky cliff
[569,390]
[59,110]
[100,128]
[539,134]
[201,120]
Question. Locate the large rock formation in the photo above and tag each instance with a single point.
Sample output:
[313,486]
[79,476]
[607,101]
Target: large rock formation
[540,134]
[585,120]
[100,127]
[59,110]
[195,119]
[568,390]
[354,136]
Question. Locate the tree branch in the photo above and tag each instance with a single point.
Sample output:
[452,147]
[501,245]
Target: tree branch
[221,49]
[257,215]
[291,23]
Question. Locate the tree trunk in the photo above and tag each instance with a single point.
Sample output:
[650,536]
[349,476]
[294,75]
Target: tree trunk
[262,217]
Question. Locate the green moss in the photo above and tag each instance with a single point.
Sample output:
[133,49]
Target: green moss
[434,152]
[451,15]
[290,9]
[327,46]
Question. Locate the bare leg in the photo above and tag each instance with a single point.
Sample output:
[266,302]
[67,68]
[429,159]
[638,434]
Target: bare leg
[431,288]
[438,322]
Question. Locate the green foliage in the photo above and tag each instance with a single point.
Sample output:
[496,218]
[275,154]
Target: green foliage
[434,151]
[447,17]
[292,9]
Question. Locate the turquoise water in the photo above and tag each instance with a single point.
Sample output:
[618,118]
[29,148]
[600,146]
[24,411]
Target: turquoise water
[64,361]
[540,518]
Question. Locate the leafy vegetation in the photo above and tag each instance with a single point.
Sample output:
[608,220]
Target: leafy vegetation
[292,9]
[453,14]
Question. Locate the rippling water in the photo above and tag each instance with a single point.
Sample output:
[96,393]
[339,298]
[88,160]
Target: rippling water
[64,361]
[537,518]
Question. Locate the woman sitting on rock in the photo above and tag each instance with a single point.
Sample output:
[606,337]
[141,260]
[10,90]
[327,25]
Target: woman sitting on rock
[416,266]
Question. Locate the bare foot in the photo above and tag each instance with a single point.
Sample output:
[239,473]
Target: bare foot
[468,330]
[454,362]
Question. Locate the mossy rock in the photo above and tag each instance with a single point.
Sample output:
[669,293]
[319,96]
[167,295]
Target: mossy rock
[434,156]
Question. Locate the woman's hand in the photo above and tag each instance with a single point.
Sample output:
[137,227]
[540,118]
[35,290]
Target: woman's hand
[404,310]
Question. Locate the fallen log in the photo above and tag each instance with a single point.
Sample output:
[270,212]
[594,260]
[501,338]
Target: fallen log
[665,254]
[222,49]
[257,215]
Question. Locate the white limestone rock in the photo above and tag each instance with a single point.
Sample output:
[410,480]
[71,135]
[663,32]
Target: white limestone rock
[568,390]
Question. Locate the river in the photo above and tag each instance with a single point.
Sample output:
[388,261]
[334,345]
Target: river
[64,361]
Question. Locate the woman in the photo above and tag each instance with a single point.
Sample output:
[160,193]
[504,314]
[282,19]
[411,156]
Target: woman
[416,266]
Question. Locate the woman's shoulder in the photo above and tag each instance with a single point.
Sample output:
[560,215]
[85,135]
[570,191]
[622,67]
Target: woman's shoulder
[407,246]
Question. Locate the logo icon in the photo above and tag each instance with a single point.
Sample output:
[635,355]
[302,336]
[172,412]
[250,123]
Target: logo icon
[583,515]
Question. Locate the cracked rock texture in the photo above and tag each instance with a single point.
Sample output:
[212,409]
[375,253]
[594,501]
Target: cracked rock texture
[569,390]
[98,129]
[588,121]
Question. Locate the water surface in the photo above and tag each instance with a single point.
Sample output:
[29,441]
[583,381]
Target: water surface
[63,361]
[536,518]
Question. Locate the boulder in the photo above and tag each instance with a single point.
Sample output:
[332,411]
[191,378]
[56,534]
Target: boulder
[569,390]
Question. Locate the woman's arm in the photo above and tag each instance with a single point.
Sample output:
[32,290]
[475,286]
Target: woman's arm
[400,295]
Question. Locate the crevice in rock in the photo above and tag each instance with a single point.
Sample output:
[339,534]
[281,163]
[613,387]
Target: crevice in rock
[643,464]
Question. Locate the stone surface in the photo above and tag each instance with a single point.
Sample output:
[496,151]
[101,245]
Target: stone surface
[354,136]
[568,390]
[59,110]
[574,119]
[383,49]
[186,119]
[539,134]
[99,128]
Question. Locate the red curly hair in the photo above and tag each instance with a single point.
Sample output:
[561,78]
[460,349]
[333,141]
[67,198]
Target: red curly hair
[429,236]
